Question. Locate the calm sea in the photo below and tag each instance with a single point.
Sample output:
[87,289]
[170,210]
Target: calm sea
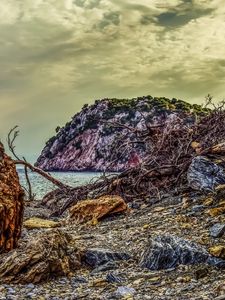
[42,186]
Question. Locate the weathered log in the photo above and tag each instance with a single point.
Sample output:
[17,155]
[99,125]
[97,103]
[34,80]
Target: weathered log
[11,203]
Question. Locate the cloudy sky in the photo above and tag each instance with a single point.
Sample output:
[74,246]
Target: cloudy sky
[56,55]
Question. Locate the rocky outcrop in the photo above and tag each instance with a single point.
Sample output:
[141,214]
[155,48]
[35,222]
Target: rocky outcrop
[165,252]
[92,139]
[11,203]
[46,255]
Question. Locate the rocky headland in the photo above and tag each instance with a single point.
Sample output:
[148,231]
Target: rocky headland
[92,139]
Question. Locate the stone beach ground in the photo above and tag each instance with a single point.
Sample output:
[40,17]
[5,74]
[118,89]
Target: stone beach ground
[194,217]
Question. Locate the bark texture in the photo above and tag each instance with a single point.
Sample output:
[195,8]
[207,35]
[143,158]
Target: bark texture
[11,203]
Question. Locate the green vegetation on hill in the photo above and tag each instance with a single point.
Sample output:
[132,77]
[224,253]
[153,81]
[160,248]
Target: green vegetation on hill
[157,103]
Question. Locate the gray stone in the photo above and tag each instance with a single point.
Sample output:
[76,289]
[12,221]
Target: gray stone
[111,278]
[97,257]
[197,208]
[125,291]
[217,230]
[165,252]
[221,297]
[204,175]
[105,267]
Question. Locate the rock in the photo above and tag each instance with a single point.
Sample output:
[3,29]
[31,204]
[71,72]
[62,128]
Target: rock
[221,297]
[111,278]
[40,223]
[125,291]
[46,255]
[216,211]
[218,251]
[11,204]
[208,201]
[96,209]
[106,267]
[217,230]
[198,208]
[205,175]
[201,273]
[98,257]
[165,252]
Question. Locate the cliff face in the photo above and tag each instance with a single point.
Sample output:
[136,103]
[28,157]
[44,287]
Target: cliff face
[89,140]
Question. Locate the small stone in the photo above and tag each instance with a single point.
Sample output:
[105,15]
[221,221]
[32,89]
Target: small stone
[111,278]
[11,291]
[146,226]
[221,297]
[40,223]
[201,273]
[105,267]
[218,251]
[208,201]
[98,283]
[125,291]
[213,212]
[217,230]
[154,279]
[184,279]
[135,205]
[197,208]
[79,279]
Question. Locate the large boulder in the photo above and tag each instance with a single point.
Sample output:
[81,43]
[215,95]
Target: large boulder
[11,203]
[45,256]
[205,175]
[167,251]
[96,209]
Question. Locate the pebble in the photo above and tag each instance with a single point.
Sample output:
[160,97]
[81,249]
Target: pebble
[111,278]
[125,290]
[217,230]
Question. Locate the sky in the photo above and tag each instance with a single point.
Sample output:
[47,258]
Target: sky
[57,55]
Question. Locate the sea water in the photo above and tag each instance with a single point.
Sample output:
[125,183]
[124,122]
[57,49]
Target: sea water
[41,186]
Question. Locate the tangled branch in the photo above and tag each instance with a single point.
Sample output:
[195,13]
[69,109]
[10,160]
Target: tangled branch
[11,138]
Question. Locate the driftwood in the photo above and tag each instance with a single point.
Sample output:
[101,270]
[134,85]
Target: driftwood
[12,135]
[11,204]
[47,176]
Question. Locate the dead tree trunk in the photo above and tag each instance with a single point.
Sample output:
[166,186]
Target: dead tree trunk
[11,203]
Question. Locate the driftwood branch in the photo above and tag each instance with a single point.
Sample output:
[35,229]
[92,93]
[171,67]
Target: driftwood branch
[43,174]
[12,135]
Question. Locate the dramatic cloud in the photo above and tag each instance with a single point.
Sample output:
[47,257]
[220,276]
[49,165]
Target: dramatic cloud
[56,55]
